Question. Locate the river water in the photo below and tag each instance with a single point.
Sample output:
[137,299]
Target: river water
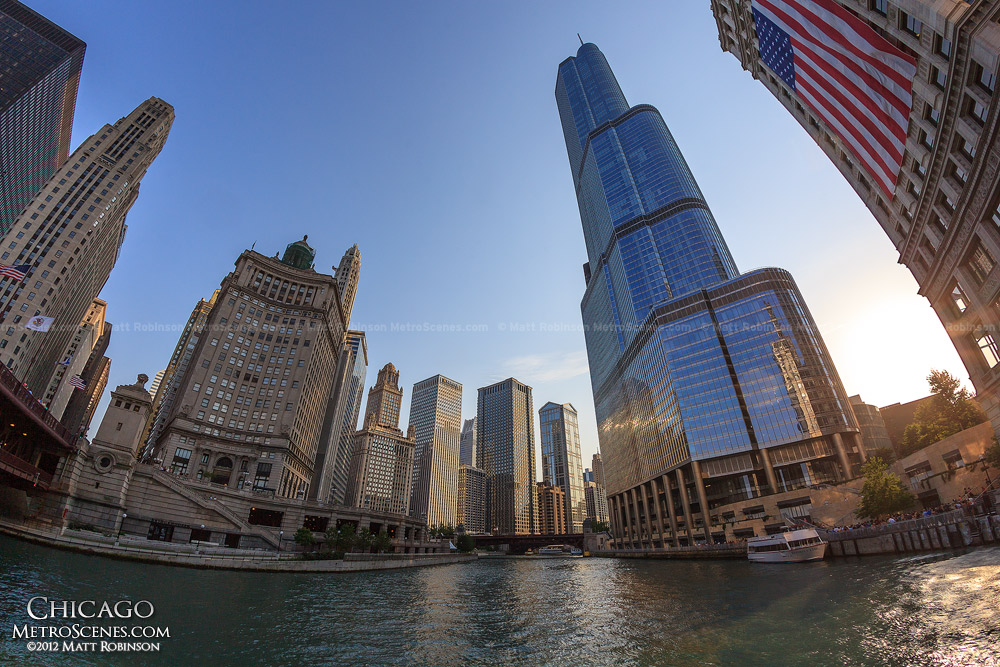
[941,609]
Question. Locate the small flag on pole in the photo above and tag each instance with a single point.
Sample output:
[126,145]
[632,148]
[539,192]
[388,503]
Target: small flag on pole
[77,381]
[64,362]
[16,272]
[39,323]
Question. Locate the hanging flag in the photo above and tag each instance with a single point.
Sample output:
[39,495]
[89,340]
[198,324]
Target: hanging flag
[64,362]
[39,323]
[77,381]
[16,272]
[858,83]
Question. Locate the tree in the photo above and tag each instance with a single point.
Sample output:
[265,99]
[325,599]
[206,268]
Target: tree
[305,538]
[883,492]
[342,539]
[599,526]
[446,530]
[887,454]
[992,455]
[950,410]
[465,542]
[382,542]
[363,540]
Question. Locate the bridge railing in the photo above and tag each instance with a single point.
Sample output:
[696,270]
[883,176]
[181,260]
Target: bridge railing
[31,404]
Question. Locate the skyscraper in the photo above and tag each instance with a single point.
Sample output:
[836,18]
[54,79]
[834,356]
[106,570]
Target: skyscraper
[70,235]
[597,466]
[347,275]
[467,455]
[597,502]
[346,407]
[472,499]
[256,387]
[934,193]
[163,401]
[40,65]
[552,510]
[436,416]
[381,477]
[710,387]
[505,443]
[874,434]
[561,464]
[75,357]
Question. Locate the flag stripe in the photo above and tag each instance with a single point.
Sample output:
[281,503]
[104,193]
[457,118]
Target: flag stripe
[852,78]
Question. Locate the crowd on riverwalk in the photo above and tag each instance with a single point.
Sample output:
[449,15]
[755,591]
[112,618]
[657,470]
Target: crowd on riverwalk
[969,502]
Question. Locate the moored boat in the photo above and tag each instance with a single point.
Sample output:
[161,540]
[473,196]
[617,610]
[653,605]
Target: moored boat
[794,546]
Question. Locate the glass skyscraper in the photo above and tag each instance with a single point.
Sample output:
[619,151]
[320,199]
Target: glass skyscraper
[711,388]
[40,65]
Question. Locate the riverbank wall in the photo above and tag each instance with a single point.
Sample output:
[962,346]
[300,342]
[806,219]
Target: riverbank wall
[952,530]
[709,551]
[213,558]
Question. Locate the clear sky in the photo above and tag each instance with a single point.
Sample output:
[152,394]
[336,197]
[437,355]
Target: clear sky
[427,133]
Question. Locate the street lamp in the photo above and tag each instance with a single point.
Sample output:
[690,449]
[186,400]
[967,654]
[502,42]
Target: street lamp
[121,527]
[280,537]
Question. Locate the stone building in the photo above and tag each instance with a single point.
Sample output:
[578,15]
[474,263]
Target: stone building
[597,502]
[472,499]
[942,472]
[70,234]
[381,477]
[436,417]
[552,510]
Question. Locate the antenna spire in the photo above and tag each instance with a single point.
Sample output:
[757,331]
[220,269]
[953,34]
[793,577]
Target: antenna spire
[579,38]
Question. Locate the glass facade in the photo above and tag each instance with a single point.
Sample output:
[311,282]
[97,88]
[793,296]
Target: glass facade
[692,364]
[40,65]
[561,461]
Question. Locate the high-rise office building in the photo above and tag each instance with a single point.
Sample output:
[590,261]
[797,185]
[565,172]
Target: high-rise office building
[163,401]
[82,404]
[347,275]
[74,358]
[597,466]
[253,397]
[597,502]
[467,454]
[472,499]
[588,475]
[436,416]
[930,180]
[505,443]
[561,461]
[351,386]
[40,65]
[154,386]
[381,477]
[70,235]
[552,510]
[710,387]
[874,434]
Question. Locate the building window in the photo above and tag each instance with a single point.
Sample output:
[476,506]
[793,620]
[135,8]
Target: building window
[975,109]
[996,215]
[933,115]
[968,149]
[926,139]
[939,77]
[953,459]
[959,299]
[878,6]
[959,174]
[179,465]
[947,203]
[910,24]
[984,77]
[988,347]
[942,47]
[980,263]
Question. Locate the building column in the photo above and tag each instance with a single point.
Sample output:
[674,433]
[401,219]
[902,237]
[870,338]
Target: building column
[856,438]
[659,512]
[616,507]
[845,463]
[699,485]
[648,506]
[669,498]
[772,479]
[688,521]
[638,523]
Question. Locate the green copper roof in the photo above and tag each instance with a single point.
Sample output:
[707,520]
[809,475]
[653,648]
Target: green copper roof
[299,254]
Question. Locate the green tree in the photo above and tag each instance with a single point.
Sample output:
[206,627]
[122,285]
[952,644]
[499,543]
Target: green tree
[382,542]
[887,454]
[305,538]
[883,492]
[363,540]
[465,542]
[446,530]
[599,526]
[992,455]
[950,410]
[342,538]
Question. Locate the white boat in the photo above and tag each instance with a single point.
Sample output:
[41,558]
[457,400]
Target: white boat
[794,546]
[559,550]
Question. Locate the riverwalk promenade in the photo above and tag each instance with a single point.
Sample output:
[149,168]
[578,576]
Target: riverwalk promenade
[207,556]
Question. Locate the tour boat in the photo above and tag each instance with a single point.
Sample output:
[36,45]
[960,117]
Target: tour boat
[794,546]
[559,550]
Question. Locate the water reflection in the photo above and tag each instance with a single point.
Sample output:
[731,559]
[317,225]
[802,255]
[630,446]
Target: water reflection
[938,610]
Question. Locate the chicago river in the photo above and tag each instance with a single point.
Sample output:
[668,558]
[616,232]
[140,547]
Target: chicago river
[933,609]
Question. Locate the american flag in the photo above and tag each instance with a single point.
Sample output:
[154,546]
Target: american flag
[16,272]
[858,83]
[77,381]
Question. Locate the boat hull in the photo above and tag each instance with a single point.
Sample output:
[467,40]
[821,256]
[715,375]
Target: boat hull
[800,555]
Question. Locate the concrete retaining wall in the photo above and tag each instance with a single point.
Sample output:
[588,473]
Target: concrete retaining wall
[955,532]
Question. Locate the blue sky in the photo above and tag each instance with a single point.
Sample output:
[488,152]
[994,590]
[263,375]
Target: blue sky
[428,134]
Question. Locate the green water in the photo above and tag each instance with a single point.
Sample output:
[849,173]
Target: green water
[931,610]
